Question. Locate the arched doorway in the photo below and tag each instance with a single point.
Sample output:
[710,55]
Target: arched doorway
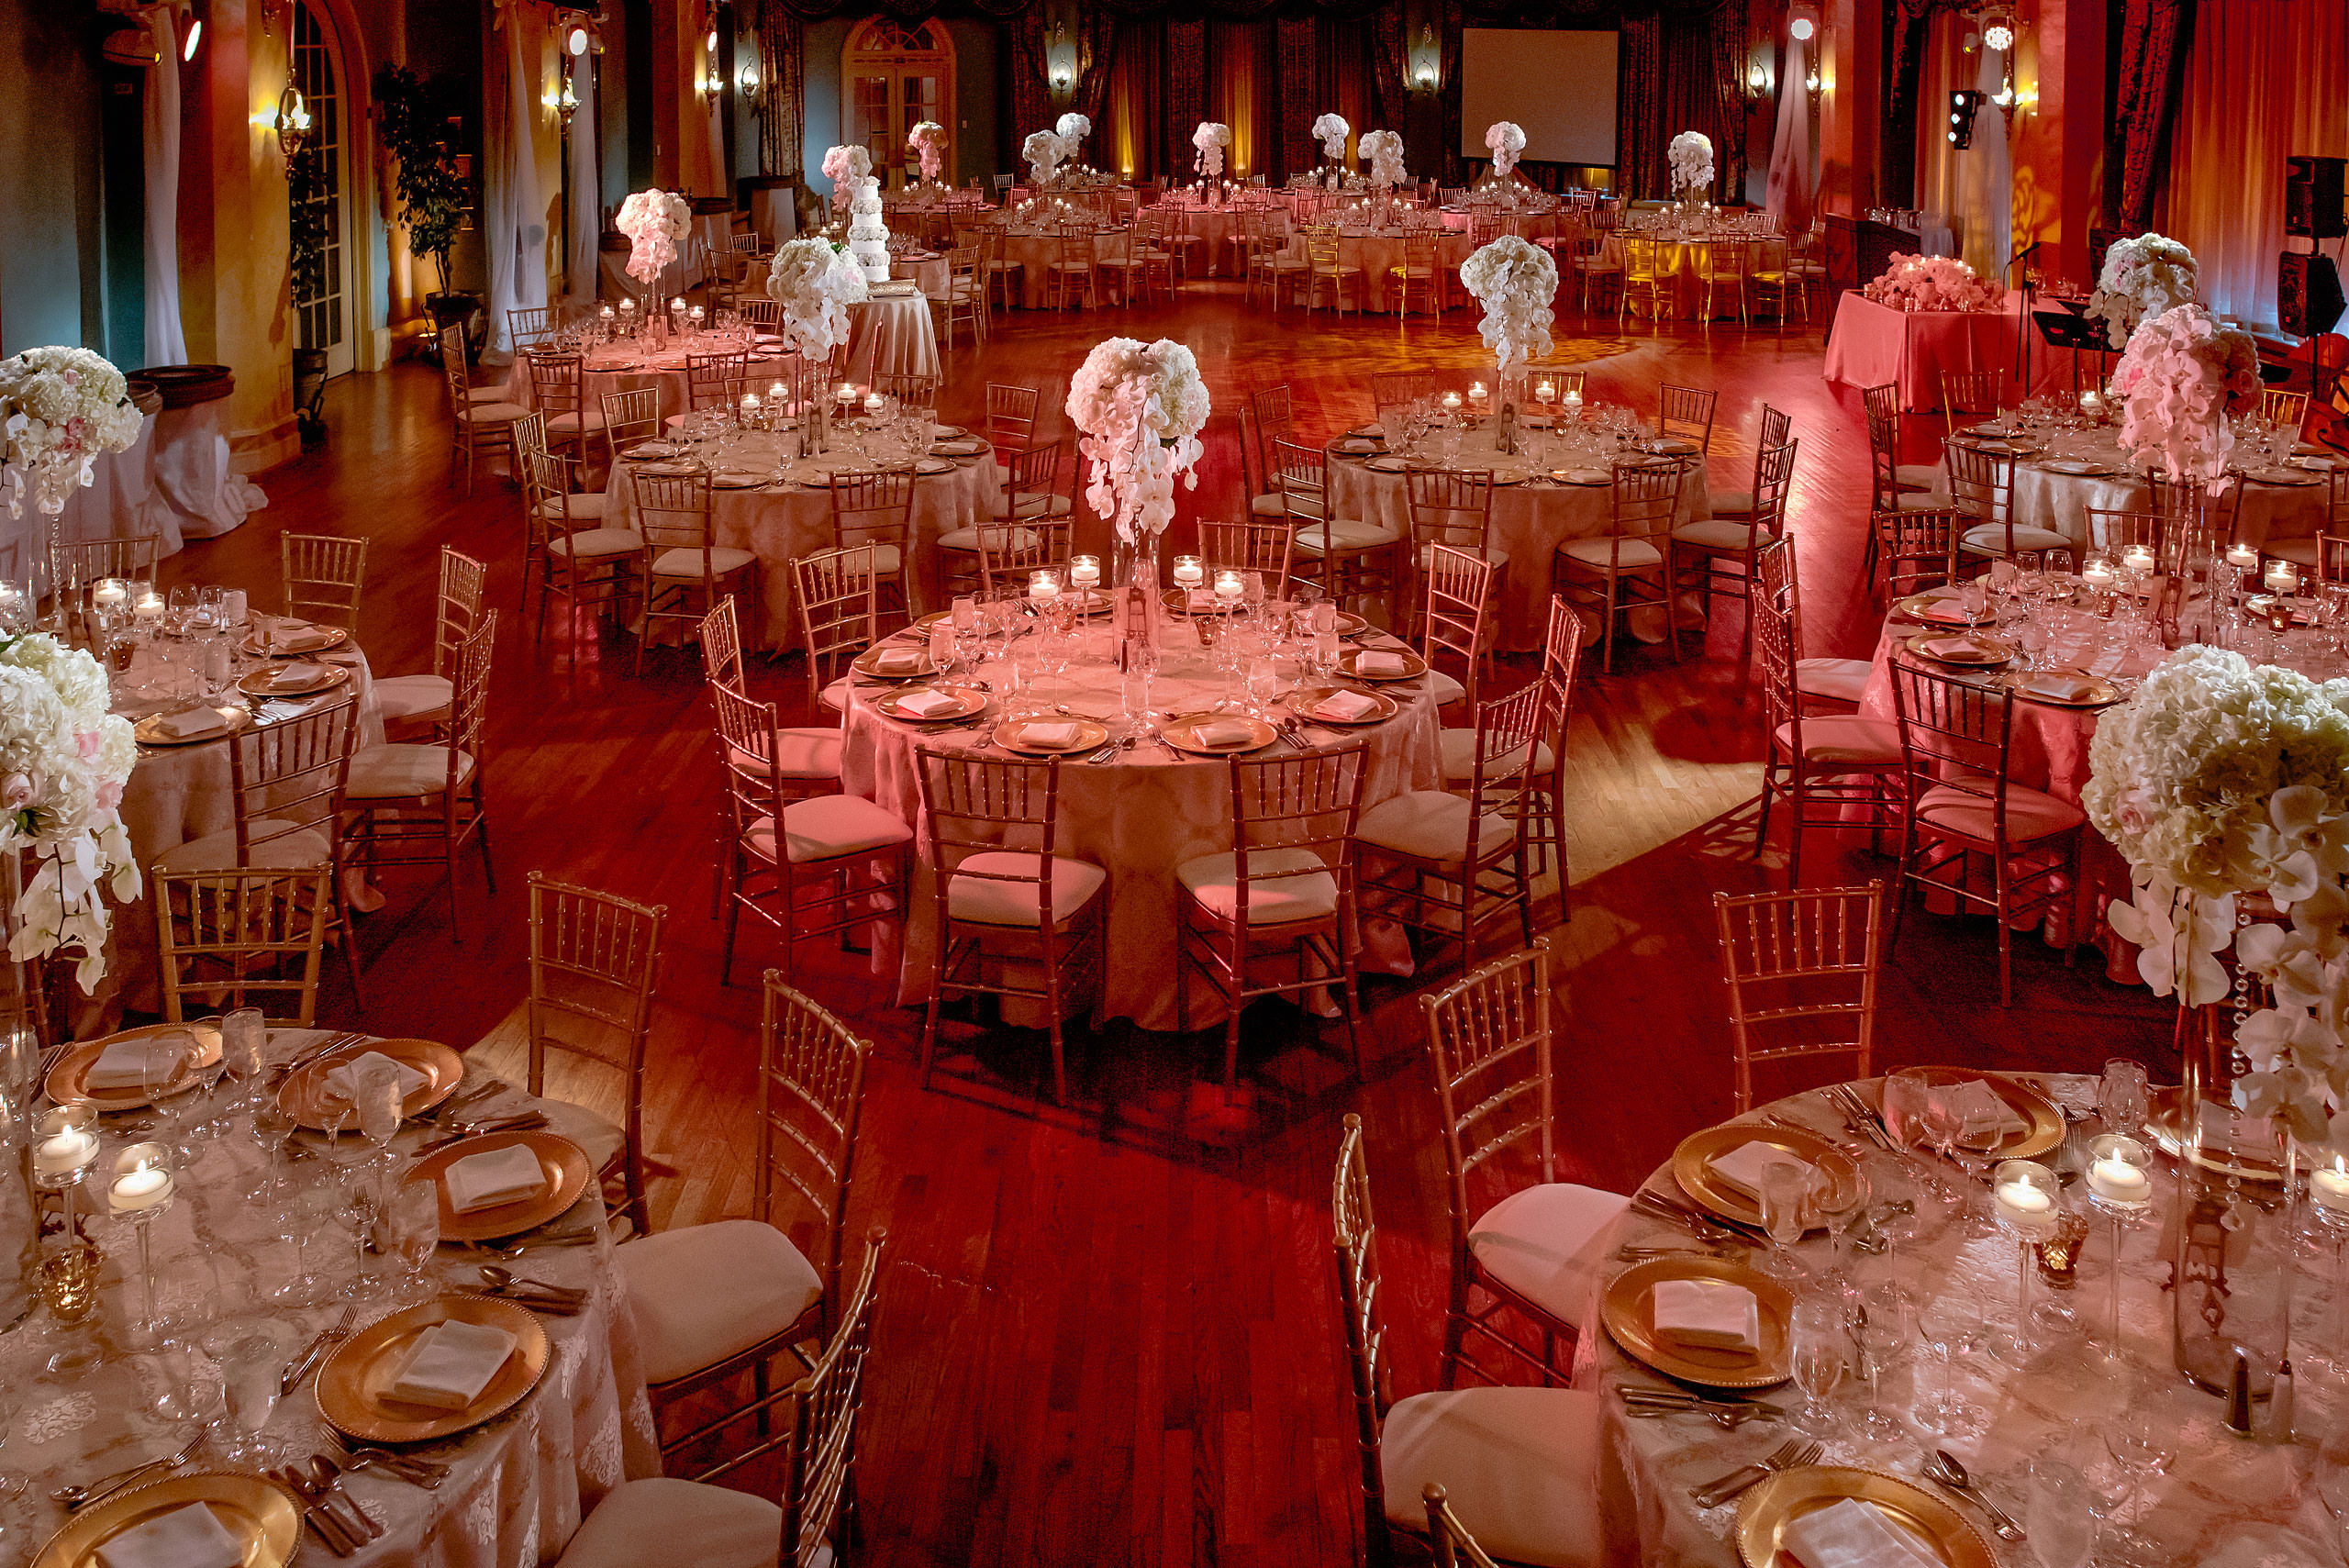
[319,194]
[896,75]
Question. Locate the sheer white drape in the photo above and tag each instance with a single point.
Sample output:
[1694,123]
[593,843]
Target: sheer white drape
[515,214]
[166,342]
[1788,189]
[580,263]
[2263,83]
[1973,189]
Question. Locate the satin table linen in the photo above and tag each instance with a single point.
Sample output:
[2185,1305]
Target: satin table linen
[2225,1502]
[2265,506]
[791,516]
[626,367]
[1372,251]
[1872,344]
[892,335]
[516,1487]
[1138,816]
[1033,251]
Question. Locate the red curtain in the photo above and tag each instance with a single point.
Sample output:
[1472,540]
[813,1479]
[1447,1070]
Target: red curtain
[1299,150]
[2154,35]
[1031,102]
[1131,136]
[1679,69]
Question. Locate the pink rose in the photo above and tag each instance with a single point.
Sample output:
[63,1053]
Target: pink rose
[17,791]
[85,743]
[108,794]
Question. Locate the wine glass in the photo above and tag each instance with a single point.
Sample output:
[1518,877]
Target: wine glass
[1837,1194]
[1906,1096]
[412,1223]
[379,1105]
[1785,1186]
[2121,1095]
[2142,1441]
[361,1205]
[1880,1326]
[244,1045]
[308,1211]
[1817,1339]
[1949,1327]
[253,1353]
[159,1072]
[273,1124]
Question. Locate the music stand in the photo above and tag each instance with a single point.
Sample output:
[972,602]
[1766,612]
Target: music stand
[2081,334]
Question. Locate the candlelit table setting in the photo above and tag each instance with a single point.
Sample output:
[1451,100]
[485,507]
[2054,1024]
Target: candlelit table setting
[1144,786]
[624,354]
[302,1285]
[1900,1293]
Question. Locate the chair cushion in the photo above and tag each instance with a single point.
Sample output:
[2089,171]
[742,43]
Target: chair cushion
[1317,538]
[568,424]
[1431,825]
[1534,1240]
[492,413]
[1990,538]
[1635,553]
[1920,476]
[1922,501]
[1728,503]
[1843,738]
[1459,747]
[1715,534]
[1840,680]
[800,753]
[826,827]
[835,696]
[217,852]
[1311,895]
[596,544]
[887,559]
[667,1520]
[579,507]
[1519,1465]
[985,901]
[1272,508]
[685,563]
[414,696]
[968,539]
[2030,812]
[703,1293]
[1447,691]
[493,393]
[1035,504]
[403,771]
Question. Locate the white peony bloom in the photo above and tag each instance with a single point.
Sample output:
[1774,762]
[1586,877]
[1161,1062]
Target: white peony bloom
[1140,410]
[815,285]
[1505,141]
[1515,281]
[2144,276]
[1691,157]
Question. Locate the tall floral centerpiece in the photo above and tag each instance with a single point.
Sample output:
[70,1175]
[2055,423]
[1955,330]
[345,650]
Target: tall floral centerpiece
[1330,131]
[1071,129]
[815,283]
[1383,151]
[1138,409]
[1516,281]
[63,760]
[1211,140]
[2182,376]
[1043,151]
[1505,140]
[2143,277]
[59,409]
[929,141]
[844,166]
[656,223]
[1690,155]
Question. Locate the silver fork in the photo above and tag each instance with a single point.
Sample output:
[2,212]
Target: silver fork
[1792,1454]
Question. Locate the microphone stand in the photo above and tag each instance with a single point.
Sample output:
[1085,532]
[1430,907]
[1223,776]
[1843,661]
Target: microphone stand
[2023,324]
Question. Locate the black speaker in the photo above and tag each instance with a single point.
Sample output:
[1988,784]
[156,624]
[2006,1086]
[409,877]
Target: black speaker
[2312,193]
[2307,293]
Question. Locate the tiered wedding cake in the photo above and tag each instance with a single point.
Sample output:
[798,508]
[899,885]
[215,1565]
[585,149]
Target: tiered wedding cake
[868,237]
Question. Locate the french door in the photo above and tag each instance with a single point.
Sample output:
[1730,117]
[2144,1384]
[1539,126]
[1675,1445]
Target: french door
[896,76]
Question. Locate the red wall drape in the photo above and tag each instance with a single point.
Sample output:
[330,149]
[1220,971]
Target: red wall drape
[2154,35]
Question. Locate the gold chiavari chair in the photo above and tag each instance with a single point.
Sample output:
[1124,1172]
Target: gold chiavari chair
[1455,1546]
[729,1297]
[2333,559]
[1260,548]
[1015,920]
[1969,395]
[559,392]
[530,326]
[837,595]
[477,425]
[1801,964]
[1287,267]
[424,699]
[1920,549]
[684,571]
[1031,484]
[875,507]
[1326,267]
[1073,271]
[1451,508]
[1721,267]
[1589,269]
[1456,597]
[1772,281]
[1542,803]
[1489,1041]
[1834,771]
[1685,413]
[1624,568]
[1885,418]
[1349,560]
[1824,684]
[1716,557]
[966,299]
[1393,389]
[1008,552]
[1011,416]
[74,564]
[580,560]
[2284,409]
[1417,274]
[762,313]
[1006,281]
[322,577]
[1271,915]
[1648,275]
[628,417]
[1521,1463]
[912,388]
[1982,485]
[2112,532]
[712,380]
[1266,418]
[1775,429]
[226,940]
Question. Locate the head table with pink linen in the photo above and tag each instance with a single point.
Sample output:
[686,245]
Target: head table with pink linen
[1872,344]
[1141,813]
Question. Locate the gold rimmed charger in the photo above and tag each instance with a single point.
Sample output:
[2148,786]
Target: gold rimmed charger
[1940,609]
[968,700]
[1182,732]
[2077,468]
[271,683]
[354,1382]
[329,637]
[264,1518]
[934,466]
[564,1171]
[868,665]
[1628,1309]
[1932,1524]
[1388,464]
[738,479]
[2098,692]
[67,1080]
[148,731]
[1413,666]
[1978,653]
[2165,1122]
[306,1094]
[1012,735]
[1692,1163]
[1305,700]
[2044,1123]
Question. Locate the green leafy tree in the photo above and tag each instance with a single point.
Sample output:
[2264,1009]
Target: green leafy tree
[432,194]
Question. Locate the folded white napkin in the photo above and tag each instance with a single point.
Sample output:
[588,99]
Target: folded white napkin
[1345,707]
[1590,476]
[1055,737]
[1851,1534]
[484,1181]
[1950,612]
[452,1363]
[1953,648]
[122,1065]
[290,636]
[1226,732]
[184,1538]
[1742,1166]
[343,1080]
[188,721]
[1974,1098]
[1707,1314]
[299,675]
[1202,601]
[927,701]
[1380,661]
[2063,688]
[899,661]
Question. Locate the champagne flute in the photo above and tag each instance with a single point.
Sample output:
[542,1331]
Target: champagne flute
[1880,1326]
[273,1124]
[1785,1186]
[379,1105]
[244,1044]
[1817,1338]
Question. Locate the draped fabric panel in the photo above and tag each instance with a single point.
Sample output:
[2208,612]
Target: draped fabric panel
[783,109]
[1132,132]
[1972,190]
[581,274]
[1345,88]
[1640,168]
[1788,192]
[2154,38]
[1031,103]
[1097,34]
[514,211]
[1187,100]
[166,343]
[1298,151]
[1390,87]
[1240,57]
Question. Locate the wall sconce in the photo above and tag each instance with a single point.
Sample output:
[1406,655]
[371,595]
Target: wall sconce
[1812,84]
[292,120]
[751,84]
[1426,55]
[1803,26]
[1757,82]
[1999,31]
[578,33]
[272,13]
[566,101]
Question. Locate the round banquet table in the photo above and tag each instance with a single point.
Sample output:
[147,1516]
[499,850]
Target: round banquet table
[926,269]
[1138,816]
[1531,519]
[1033,251]
[518,1487]
[2224,1503]
[1374,250]
[892,335]
[2268,504]
[784,510]
[624,367]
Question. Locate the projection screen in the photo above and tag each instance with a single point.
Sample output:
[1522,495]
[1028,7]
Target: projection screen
[1559,88]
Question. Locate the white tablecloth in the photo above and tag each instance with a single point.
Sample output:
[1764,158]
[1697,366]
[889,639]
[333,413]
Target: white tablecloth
[892,336]
[2263,509]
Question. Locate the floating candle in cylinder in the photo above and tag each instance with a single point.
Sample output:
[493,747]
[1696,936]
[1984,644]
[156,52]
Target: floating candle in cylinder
[1477,393]
[2024,1193]
[2118,1173]
[2329,1186]
[1452,403]
[2098,573]
[2241,557]
[1547,391]
[1574,402]
[1043,587]
[108,593]
[750,407]
[142,1179]
[1189,572]
[2282,578]
[1084,571]
[873,404]
[1228,587]
[2137,558]
[65,1144]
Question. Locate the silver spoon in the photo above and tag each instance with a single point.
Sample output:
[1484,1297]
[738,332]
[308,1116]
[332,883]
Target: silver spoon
[498,1277]
[1945,1468]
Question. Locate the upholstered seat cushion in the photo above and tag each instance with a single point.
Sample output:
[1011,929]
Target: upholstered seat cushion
[1311,894]
[217,852]
[1495,559]
[663,1519]
[1317,538]
[595,544]
[826,827]
[492,413]
[1594,265]
[1459,747]
[1715,533]
[571,424]
[493,393]
[1728,503]
[1920,476]
[1034,503]
[1273,509]
[1634,554]
[703,1293]
[403,771]
[1430,825]
[2301,552]
[1922,501]
[968,539]
[414,696]
[1990,538]
[1519,1465]
[686,562]
[1837,680]
[1537,1242]
[887,559]
[976,895]
[585,506]
[2030,812]
[800,753]
[1446,690]
[1843,738]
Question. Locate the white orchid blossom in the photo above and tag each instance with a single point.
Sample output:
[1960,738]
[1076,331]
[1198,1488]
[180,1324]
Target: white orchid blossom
[1140,410]
[64,761]
[1515,281]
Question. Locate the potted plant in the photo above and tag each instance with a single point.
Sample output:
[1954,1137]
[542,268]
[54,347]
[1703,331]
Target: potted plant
[430,183]
[305,265]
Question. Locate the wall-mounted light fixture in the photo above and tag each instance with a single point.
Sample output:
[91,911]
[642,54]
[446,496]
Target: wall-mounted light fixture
[272,13]
[1999,31]
[1812,82]
[1803,26]
[194,31]
[1757,81]
[750,83]
[1425,57]
[292,120]
[566,101]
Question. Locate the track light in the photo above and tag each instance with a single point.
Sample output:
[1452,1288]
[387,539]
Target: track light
[1964,105]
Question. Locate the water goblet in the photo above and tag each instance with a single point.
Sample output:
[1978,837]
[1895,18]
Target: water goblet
[1949,1327]
[253,1354]
[412,1224]
[379,1104]
[1881,1321]
[2060,1515]
[1786,1185]
[2122,1096]
[311,1207]
[2142,1441]
[1817,1338]
[244,1043]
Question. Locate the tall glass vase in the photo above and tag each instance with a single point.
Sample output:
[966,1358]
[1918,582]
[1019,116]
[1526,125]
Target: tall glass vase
[1136,569]
[21,1016]
[2233,1233]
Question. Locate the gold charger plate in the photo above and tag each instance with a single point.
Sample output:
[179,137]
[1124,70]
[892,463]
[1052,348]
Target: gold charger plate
[148,732]
[65,1079]
[1011,735]
[933,466]
[1350,623]
[1692,1163]
[1413,666]
[867,663]
[355,1381]
[1628,1309]
[738,480]
[2165,1122]
[2103,693]
[1388,465]
[1933,1522]
[263,683]
[1988,653]
[970,702]
[1302,702]
[305,1092]
[265,1518]
[2077,468]
[2045,1122]
[1921,608]
[259,649]
[561,1163]
[1182,732]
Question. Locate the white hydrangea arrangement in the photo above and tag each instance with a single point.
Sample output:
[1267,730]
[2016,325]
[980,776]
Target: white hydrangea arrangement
[1330,131]
[1691,157]
[59,409]
[1210,138]
[1383,150]
[929,141]
[1139,409]
[655,223]
[2182,376]
[815,283]
[1505,140]
[1072,129]
[1515,281]
[1044,152]
[64,761]
[2143,277]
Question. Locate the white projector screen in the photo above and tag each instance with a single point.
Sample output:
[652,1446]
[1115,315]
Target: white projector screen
[1559,88]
